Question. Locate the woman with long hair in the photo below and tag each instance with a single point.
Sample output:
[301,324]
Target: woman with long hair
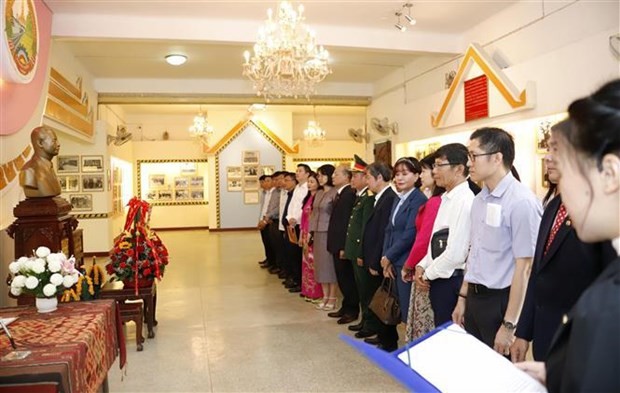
[420,314]
[585,352]
[310,289]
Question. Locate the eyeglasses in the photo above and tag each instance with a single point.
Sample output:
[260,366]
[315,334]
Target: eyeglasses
[435,165]
[473,156]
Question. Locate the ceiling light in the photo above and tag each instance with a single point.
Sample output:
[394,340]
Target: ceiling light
[314,132]
[400,27]
[410,19]
[408,16]
[176,60]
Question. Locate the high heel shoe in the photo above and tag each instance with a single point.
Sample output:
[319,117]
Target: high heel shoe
[322,304]
[330,306]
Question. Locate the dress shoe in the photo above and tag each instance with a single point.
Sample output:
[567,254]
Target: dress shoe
[357,327]
[273,270]
[281,275]
[372,341]
[388,347]
[364,334]
[336,314]
[295,289]
[346,319]
[262,262]
[263,265]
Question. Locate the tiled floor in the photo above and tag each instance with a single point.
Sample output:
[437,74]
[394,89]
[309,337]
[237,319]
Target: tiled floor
[227,326]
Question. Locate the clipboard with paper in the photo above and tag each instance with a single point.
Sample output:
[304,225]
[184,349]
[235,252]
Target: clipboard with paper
[448,359]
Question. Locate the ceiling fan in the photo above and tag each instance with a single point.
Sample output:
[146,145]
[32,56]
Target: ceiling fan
[358,135]
[121,137]
[383,126]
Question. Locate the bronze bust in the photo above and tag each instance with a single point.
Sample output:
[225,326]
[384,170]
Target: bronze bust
[37,176]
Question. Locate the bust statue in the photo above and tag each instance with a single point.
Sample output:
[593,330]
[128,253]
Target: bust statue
[37,176]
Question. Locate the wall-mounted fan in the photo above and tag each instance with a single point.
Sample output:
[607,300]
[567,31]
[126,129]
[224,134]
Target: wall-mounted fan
[358,135]
[121,137]
[383,126]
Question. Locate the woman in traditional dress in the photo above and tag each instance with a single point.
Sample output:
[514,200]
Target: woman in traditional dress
[310,289]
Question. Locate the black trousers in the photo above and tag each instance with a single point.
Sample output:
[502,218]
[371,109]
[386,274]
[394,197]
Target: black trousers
[275,241]
[346,282]
[282,253]
[293,258]
[484,311]
[444,294]
[264,236]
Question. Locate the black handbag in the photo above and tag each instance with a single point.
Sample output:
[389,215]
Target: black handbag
[439,242]
[385,304]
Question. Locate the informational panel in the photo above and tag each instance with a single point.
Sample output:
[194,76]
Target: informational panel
[476,98]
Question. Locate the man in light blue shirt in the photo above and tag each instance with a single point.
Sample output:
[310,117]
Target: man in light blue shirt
[505,217]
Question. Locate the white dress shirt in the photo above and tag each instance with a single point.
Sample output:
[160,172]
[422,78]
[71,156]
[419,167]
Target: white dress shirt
[283,197]
[454,213]
[378,195]
[266,197]
[297,203]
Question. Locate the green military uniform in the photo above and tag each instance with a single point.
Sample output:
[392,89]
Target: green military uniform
[362,209]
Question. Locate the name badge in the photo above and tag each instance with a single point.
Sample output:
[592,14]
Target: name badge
[494,215]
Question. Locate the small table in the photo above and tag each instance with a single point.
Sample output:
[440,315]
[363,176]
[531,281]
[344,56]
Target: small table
[117,291]
[73,346]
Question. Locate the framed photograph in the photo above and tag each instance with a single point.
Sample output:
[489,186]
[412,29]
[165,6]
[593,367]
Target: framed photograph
[157,181]
[234,171]
[181,182]
[250,170]
[196,182]
[81,202]
[152,195]
[250,184]
[92,183]
[198,195]
[251,157]
[165,195]
[250,197]
[68,164]
[181,195]
[545,178]
[542,137]
[92,163]
[234,185]
[267,170]
[70,183]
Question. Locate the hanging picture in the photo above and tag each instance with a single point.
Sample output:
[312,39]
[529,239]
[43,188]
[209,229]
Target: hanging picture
[81,202]
[234,171]
[250,170]
[68,164]
[165,195]
[181,182]
[70,183]
[250,184]
[251,157]
[250,197]
[234,185]
[92,183]
[181,195]
[157,181]
[198,195]
[267,170]
[196,182]
[92,163]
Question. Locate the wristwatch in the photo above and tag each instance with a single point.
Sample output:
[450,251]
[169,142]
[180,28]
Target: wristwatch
[509,325]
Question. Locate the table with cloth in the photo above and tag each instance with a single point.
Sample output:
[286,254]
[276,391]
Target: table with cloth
[74,346]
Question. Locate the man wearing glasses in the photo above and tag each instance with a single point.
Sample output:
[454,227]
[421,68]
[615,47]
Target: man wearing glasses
[443,273]
[505,217]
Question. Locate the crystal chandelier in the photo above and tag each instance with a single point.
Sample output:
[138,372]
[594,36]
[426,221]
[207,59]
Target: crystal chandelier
[201,127]
[286,59]
[314,132]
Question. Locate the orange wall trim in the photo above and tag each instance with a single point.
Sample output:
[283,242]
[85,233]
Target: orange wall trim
[10,170]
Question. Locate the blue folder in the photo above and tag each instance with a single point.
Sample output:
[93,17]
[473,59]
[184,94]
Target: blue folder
[390,362]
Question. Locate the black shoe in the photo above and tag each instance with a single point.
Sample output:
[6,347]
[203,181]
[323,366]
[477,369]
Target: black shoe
[263,265]
[357,327]
[262,262]
[295,289]
[388,348]
[364,334]
[346,319]
[336,314]
[273,270]
[372,341]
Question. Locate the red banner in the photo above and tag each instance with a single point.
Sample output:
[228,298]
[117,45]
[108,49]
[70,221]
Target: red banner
[476,98]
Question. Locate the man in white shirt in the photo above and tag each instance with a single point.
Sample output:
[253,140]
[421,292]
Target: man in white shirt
[263,221]
[293,219]
[443,274]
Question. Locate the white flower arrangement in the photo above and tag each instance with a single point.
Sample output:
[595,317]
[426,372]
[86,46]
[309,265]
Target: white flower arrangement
[43,275]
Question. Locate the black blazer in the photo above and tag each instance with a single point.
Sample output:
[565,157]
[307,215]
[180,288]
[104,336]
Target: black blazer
[374,230]
[557,279]
[585,353]
[339,220]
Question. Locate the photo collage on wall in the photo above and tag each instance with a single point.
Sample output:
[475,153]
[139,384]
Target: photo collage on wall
[117,190]
[79,176]
[180,188]
[244,178]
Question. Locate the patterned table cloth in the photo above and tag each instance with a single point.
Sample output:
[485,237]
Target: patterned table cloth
[74,345]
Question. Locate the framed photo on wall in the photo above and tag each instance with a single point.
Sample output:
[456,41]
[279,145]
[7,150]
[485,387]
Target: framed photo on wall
[157,181]
[267,170]
[250,184]
[70,183]
[92,183]
[251,157]
[198,195]
[234,185]
[68,164]
[92,163]
[542,136]
[181,182]
[81,202]
[250,197]
[181,195]
[250,170]
[234,171]
[196,182]
[544,176]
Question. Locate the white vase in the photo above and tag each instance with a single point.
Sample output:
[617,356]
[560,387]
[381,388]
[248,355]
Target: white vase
[45,304]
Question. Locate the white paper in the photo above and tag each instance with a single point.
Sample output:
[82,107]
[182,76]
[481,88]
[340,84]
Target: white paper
[494,215]
[454,361]
[7,321]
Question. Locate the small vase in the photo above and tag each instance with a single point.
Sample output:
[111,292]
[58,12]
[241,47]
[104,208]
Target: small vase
[45,304]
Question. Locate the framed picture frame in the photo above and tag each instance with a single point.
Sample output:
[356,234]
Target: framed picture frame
[68,164]
[196,182]
[543,172]
[250,171]
[92,163]
[250,184]
[234,172]
[157,181]
[543,133]
[152,195]
[250,197]
[198,195]
[93,183]
[234,185]
[250,157]
[181,195]
[267,170]
[81,202]
[181,182]
[69,183]
[164,195]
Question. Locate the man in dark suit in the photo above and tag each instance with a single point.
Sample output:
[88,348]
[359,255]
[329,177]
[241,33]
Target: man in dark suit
[563,268]
[378,176]
[336,235]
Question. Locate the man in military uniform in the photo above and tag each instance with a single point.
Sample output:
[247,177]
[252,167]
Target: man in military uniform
[362,208]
